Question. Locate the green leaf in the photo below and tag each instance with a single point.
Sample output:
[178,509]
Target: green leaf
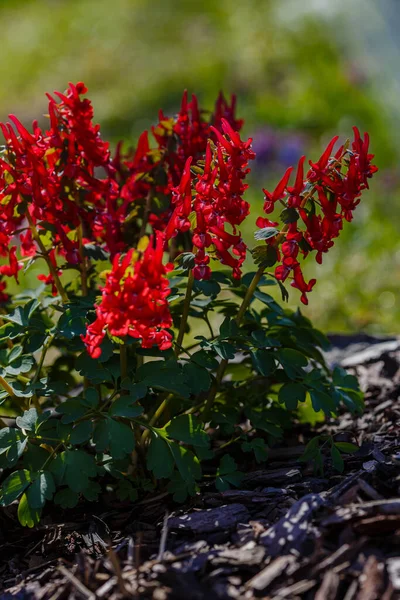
[14,353]
[17,317]
[322,401]
[91,493]
[263,340]
[28,516]
[265,255]
[289,215]
[186,261]
[341,378]
[187,429]
[205,359]
[310,450]
[353,400]
[115,436]
[22,364]
[81,433]
[259,447]
[159,458]
[125,406]
[90,398]
[9,331]
[21,315]
[227,474]
[79,467]
[92,369]
[66,498]
[292,393]
[262,419]
[126,491]
[268,301]
[58,467]
[337,460]
[284,292]
[28,420]
[228,328]
[188,466]
[292,361]
[34,457]
[347,447]
[95,252]
[107,350]
[225,350]
[264,361]
[42,489]
[137,391]
[208,287]
[14,486]
[164,375]
[12,444]
[72,410]
[265,233]
[197,378]
[177,486]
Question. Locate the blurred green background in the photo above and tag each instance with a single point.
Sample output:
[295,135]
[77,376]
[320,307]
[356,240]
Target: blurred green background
[302,72]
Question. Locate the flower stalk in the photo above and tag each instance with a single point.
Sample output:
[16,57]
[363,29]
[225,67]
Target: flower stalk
[45,254]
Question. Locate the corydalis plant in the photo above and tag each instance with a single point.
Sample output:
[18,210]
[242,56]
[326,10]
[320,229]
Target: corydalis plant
[103,381]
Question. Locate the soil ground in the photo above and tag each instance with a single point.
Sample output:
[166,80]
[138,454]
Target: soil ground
[285,534]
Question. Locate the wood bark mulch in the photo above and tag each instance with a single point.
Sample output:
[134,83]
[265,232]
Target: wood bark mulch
[285,534]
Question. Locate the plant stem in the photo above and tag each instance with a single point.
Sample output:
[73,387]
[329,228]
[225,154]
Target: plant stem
[46,346]
[10,391]
[185,313]
[52,269]
[164,404]
[223,364]
[52,455]
[123,357]
[8,341]
[147,211]
[249,295]
[83,261]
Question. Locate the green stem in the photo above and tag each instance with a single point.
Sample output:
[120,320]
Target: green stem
[223,364]
[147,211]
[185,312]
[163,406]
[83,261]
[52,269]
[50,458]
[123,357]
[46,346]
[10,392]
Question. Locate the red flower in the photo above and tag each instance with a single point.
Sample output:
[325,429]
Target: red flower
[3,296]
[338,182]
[218,200]
[48,279]
[278,193]
[11,270]
[134,301]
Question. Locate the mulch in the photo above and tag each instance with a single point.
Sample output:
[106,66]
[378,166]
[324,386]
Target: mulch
[285,534]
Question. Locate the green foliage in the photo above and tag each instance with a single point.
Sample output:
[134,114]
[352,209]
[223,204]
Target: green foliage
[322,448]
[139,419]
[95,426]
[227,474]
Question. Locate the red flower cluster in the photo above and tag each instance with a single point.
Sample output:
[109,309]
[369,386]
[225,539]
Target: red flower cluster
[338,182]
[218,199]
[49,177]
[50,180]
[134,301]
[154,172]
